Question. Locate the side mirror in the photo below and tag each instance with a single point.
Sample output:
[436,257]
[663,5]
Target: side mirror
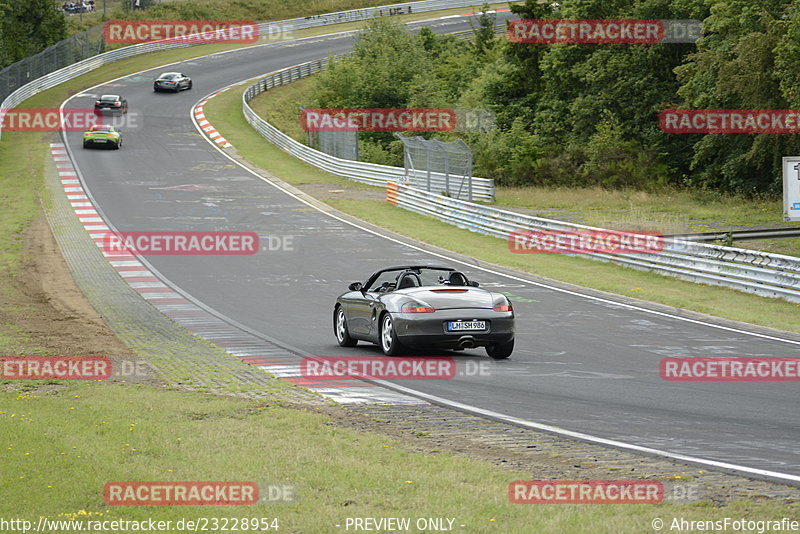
[474,284]
[355,286]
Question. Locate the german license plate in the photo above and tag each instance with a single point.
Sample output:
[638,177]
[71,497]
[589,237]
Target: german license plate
[461,326]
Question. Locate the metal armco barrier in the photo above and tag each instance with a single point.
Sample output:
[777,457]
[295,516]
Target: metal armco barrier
[74,70]
[769,275]
[368,173]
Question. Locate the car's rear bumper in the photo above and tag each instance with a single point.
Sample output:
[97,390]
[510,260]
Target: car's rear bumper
[423,329]
[462,341]
[97,142]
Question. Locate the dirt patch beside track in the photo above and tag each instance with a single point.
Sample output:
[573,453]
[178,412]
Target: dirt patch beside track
[42,302]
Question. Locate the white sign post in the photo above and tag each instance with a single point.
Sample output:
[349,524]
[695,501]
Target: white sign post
[791,188]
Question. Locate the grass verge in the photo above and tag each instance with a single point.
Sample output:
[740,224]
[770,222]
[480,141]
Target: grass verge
[61,444]
[224,111]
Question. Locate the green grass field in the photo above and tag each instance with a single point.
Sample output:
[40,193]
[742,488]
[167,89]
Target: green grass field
[61,444]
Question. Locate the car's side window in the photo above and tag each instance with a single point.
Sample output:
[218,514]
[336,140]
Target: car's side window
[385,282]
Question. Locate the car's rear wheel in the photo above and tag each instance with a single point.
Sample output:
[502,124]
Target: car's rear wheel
[388,338]
[85,145]
[500,351]
[340,329]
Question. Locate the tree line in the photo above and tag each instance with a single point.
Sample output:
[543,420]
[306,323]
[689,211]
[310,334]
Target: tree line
[580,114]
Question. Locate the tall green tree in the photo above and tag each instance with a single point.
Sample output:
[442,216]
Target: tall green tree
[748,61]
[386,63]
[29,27]
[5,58]
[483,39]
[565,92]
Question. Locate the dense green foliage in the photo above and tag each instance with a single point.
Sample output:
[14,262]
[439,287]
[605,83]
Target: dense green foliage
[587,114]
[28,27]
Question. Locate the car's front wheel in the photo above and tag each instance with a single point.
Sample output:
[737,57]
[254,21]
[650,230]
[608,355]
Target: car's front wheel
[190,85]
[340,329]
[388,337]
[500,351]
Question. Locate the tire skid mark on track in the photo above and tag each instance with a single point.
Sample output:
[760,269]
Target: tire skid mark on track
[249,348]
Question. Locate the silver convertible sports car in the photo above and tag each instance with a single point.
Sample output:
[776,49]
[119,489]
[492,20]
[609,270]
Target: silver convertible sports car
[424,306]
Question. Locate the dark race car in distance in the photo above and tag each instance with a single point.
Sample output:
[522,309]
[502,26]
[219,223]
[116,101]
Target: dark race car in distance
[112,103]
[424,306]
[172,81]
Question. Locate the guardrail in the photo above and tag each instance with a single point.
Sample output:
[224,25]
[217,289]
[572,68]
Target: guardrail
[742,235]
[74,70]
[368,173]
[770,275]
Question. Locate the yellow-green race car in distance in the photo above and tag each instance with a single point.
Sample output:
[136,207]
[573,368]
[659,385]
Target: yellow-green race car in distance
[102,135]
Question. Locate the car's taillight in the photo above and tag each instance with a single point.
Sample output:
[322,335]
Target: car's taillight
[97,103]
[117,104]
[410,308]
[504,308]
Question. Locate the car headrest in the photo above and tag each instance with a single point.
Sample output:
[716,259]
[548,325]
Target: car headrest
[457,279]
[408,280]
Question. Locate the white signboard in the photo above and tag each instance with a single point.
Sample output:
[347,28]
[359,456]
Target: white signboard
[791,188]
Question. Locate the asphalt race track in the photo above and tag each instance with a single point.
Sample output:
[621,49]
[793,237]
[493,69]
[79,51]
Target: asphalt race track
[584,364]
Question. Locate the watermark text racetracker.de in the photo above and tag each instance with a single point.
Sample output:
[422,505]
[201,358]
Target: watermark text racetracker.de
[181,31]
[604,492]
[196,493]
[396,120]
[586,492]
[71,368]
[734,369]
[730,121]
[213,243]
[584,242]
[67,120]
[378,368]
[603,31]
